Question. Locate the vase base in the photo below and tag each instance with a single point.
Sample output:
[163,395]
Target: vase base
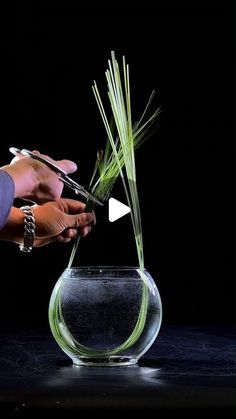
[111,361]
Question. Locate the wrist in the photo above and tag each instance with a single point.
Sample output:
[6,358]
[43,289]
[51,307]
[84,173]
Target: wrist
[24,178]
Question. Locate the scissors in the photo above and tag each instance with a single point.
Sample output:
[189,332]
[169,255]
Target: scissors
[78,189]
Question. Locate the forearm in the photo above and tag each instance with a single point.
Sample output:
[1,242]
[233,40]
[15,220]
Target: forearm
[24,178]
[7,190]
[13,231]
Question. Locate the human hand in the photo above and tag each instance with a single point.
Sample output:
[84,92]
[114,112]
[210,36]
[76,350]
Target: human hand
[35,180]
[61,220]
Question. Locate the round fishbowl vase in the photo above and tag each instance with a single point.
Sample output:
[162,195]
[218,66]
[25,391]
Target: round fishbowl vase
[105,316]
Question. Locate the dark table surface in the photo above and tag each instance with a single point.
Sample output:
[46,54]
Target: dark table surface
[188,369]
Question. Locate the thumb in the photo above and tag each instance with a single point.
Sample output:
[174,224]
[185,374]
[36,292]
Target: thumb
[81,220]
[67,165]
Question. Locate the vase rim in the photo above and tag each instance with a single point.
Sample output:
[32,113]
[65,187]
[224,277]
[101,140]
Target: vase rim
[103,267]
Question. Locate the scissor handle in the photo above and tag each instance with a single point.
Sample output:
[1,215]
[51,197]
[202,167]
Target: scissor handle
[51,165]
[14,150]
[79,189]
[25,152]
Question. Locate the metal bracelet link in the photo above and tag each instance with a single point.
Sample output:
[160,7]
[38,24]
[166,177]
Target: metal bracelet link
[29,229]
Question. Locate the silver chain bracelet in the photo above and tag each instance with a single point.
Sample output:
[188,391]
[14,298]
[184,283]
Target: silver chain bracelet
[29,229]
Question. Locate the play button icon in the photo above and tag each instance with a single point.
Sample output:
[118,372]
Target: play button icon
[116,209]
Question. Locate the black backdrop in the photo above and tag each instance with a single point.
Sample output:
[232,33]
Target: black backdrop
[185,172]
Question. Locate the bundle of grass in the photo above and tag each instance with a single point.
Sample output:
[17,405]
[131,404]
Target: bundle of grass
[123,138]
[118,159]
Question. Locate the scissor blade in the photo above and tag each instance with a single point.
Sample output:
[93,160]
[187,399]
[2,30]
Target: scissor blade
[94,199]
[78,189]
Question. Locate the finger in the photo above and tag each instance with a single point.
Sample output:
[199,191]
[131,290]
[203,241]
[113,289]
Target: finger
[73,206]
[62,239]
[85,230]
[94,218]
[81,220]
[67,165]
[17,157]
[70,233]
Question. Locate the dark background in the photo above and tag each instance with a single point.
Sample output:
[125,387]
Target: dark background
[52,54]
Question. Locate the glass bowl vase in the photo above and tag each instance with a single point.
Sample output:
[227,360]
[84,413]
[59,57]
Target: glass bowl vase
[106,316]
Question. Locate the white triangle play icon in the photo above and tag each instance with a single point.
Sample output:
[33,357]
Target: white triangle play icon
[116,209]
